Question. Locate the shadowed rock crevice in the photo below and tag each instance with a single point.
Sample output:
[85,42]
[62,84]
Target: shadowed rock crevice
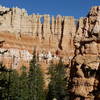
[85,65]
[61,38]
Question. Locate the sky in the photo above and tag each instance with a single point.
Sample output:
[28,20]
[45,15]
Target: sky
[76,8]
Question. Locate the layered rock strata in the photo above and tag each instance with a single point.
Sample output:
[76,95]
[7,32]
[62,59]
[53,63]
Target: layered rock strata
[25,33]
[53,38]
[48,31]
[85,68]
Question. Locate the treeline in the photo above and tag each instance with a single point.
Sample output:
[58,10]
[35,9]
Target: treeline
[30,85]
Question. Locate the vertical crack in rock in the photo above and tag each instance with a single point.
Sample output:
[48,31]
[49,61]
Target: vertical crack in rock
[61,37]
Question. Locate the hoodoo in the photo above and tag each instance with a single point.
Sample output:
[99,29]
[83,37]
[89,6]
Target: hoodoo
[52,38]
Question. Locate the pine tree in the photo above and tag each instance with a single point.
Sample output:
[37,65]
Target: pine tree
[58,84]
[13,85]
[23,85]
[4,83]
[35,81]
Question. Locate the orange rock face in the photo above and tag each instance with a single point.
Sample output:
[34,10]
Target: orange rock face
[53,38]
[23,33]
[85,68]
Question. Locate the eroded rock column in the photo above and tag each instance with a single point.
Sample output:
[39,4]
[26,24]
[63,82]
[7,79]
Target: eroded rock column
[85,66]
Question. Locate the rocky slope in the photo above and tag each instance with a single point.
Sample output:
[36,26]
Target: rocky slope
[78,44]
[85,68]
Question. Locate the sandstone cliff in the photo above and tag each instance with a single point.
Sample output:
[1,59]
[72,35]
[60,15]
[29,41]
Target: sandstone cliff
[47,34]
[85,68]
[53,38]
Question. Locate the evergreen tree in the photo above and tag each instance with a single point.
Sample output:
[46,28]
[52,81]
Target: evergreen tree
[35,81]
[14,85]
[59,84]
[4,83]
[23,85]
